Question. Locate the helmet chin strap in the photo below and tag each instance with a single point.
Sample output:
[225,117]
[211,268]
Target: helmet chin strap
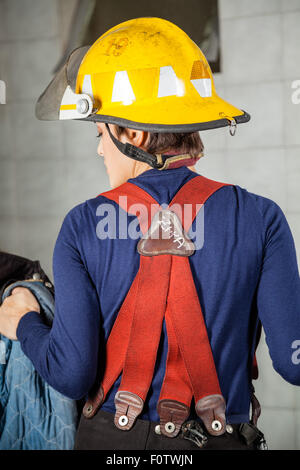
[135,152]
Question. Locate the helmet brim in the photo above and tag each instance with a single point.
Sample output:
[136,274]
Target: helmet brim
[163,128]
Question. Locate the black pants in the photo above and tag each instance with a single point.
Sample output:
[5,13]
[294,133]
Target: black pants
[100,433]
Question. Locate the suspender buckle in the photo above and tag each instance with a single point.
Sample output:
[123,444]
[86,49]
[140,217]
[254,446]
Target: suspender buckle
[172,414]
[211,409]
[193,431]
[128,407]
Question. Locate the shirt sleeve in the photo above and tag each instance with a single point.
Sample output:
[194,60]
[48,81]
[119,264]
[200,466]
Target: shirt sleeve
[66,355]
[278,294]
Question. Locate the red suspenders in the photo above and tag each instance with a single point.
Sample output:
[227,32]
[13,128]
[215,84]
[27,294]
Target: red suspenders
[162,289]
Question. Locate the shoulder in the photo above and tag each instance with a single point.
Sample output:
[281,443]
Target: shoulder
[247,204]
[262,204]
[80,222]
[84,210]
[262,209]
[269,210]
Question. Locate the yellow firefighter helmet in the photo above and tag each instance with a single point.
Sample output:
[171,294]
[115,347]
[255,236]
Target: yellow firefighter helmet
[146,74]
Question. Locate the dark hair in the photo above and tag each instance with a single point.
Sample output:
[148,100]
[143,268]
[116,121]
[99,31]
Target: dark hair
[189,143]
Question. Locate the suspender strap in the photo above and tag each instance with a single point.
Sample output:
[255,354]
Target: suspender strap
[144,337]
[134,200]
[126,196]
[190,366]
[194,348]
[116,348]
[176,392]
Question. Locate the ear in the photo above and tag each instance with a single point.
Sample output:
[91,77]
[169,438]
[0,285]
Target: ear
[99,126]
[137,138]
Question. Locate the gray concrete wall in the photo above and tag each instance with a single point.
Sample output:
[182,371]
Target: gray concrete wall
[47,168]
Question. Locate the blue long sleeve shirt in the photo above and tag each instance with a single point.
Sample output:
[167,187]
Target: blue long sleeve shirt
[246,271]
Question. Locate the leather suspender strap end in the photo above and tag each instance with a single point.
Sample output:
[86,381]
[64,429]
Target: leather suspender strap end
[211,409]
[93,404]
[172,415]
[255,408]
[128,407]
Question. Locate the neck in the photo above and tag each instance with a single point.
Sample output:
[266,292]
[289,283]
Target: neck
[139,168]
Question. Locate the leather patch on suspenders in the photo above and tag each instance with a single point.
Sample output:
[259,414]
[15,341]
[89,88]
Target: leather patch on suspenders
[165,237]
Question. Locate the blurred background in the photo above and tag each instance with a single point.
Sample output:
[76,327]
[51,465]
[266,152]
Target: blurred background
[46,168]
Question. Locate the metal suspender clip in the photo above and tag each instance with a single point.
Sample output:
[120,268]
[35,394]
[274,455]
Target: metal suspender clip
[193,431]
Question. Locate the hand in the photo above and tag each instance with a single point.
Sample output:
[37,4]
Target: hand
[13,308]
